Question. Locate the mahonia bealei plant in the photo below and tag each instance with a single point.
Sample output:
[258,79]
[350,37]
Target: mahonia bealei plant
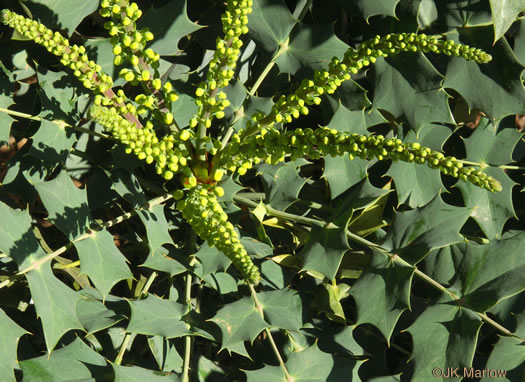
[193,152]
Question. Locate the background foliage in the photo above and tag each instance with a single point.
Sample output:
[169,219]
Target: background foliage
[371,270]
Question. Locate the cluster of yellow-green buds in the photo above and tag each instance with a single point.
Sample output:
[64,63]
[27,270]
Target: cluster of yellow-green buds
[222,65]
[129,46]
[327,81]
[273,145]
[168,153]
[207,218]
[72,56]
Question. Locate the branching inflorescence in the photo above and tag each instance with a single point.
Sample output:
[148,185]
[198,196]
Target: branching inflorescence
[185,150]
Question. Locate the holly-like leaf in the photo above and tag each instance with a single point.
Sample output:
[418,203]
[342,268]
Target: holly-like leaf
[310,46]
[311,365]
[408,85]
[16,238]
[55,303]
[445,337]
[169,24]
[282,308]
[487,146]
[52,143]
[210,260]
[11,333]
[341,173]
[267,373]
[167,260]
[156,226]
[139,374]
[157,317]
[417,184]
[283,183]
[94,315]
[475,82]
[387,284]
[504,13]
[57,95]
[74,362]
[66,204]
[239,321]
[368,8]
[508,358]
[270,23]
[102,261]
[485,278]
[324,250]
[415,233]
[62,14]
[5,119]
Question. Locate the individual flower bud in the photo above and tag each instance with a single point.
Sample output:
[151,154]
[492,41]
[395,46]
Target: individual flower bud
[168,118]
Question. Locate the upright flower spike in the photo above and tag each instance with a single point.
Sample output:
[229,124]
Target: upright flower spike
[129,47]
[274,145]
[222,65]
[72,56]
[168,157]
[207,218]
[339,70]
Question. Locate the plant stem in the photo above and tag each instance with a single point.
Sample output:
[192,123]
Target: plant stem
[57,122]
[188,338]
[260,309]
[110,223]
[282,48]
[358,239]
[128,336]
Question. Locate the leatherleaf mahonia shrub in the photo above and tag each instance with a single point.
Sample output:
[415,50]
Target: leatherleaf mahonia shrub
[261,190]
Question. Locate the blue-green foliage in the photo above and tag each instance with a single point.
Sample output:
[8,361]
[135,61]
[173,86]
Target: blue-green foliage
[370,269]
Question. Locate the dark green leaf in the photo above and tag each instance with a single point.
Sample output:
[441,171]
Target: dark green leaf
[504,13]
[282,308]
[73,362]
[310,46]
[415,233]
[155,316]
[407,85]
[444,337]
[239,321]
[169,24]
[55,303]
[387,284]
[11,333]
[270,23]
